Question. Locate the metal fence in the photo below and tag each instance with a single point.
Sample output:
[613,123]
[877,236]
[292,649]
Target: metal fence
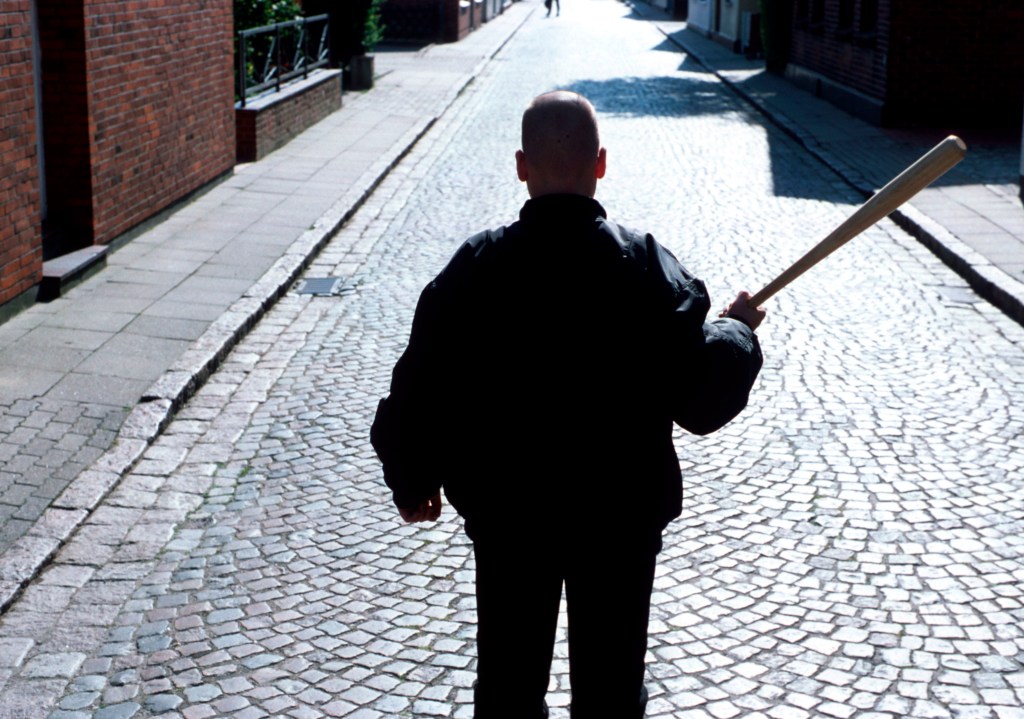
[271,55]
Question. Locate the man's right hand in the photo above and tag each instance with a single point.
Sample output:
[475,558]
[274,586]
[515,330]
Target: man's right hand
[741,310]
[426,511]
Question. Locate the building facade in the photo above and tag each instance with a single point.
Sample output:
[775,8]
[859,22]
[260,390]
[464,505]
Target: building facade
[437,20]
[892,62]
[112,112]
[913,62]
[21,250]
[733,23]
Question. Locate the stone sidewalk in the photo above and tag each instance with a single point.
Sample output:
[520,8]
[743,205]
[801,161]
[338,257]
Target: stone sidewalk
[973,218]
[89,380]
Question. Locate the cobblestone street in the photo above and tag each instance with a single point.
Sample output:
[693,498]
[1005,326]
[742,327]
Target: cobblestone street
[851,546]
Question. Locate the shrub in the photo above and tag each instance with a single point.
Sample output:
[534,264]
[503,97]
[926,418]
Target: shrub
[373,27]
[256,13]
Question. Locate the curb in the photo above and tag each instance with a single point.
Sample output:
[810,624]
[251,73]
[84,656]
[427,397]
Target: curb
[992,284]
[29,554]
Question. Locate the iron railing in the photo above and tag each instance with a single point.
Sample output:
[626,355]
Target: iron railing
[272,55]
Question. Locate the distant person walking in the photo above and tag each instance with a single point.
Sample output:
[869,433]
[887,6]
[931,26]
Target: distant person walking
[546,366]
[558,5]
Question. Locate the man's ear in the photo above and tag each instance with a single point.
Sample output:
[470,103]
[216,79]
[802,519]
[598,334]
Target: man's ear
[521,166]
[602,163]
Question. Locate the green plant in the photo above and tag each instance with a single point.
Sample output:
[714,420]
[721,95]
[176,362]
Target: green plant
[373,27]
[257,13]
[251,14]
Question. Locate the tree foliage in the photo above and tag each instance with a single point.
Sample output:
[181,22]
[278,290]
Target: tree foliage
[256,13]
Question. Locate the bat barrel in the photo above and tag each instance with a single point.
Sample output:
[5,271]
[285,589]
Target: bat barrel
[930,167]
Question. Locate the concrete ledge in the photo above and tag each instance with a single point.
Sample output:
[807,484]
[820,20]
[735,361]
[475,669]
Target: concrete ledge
[62,273]
[856,103]
[271,121]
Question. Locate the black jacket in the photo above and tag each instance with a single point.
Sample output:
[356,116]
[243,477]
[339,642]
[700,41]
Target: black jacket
[546,365]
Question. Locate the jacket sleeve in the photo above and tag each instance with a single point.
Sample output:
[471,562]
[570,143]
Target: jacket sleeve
[401,429]
[712,365]
[412,432]
[725,360]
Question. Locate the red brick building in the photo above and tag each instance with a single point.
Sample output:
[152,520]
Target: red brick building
[111,112]
[21,252]
[913,62]
[437,20]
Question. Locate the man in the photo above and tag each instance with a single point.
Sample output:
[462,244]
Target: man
[546,365]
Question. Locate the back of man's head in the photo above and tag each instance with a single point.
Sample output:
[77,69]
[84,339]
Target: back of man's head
[561,144]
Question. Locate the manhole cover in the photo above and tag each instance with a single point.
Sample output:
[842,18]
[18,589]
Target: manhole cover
[320,286]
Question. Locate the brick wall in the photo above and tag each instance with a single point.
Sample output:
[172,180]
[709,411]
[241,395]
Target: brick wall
[412,20]
[456,19]
[440,20]
[851,59]
[161,90]
[930,62]
[20,240]
[961,63]
[269,123]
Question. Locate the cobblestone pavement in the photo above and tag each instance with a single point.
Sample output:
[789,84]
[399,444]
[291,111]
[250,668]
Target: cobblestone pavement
[850,547]
[44,444]
[89,378]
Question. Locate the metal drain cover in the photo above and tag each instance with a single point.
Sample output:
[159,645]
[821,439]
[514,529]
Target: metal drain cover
[320,286]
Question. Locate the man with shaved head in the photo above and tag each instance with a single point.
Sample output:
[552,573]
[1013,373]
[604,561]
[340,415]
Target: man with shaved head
[561,146]
[546,366]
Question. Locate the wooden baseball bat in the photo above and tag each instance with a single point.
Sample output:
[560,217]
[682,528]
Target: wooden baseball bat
[908,183]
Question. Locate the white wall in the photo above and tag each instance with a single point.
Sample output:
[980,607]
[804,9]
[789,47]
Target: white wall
[700,14]
[731,16]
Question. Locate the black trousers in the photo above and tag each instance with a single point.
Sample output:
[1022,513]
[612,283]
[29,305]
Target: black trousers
[608,583]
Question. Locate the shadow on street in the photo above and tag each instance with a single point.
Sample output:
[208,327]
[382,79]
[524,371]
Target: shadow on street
[677,97]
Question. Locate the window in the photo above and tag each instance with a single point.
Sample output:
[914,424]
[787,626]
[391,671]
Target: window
[810,15]
[868,24]
[868,15]
[817,13]
[845,17]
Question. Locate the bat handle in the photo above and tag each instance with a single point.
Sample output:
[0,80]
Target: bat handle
[769,290]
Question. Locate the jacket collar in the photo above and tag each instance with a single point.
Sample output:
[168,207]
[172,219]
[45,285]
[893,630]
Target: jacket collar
[561,208]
